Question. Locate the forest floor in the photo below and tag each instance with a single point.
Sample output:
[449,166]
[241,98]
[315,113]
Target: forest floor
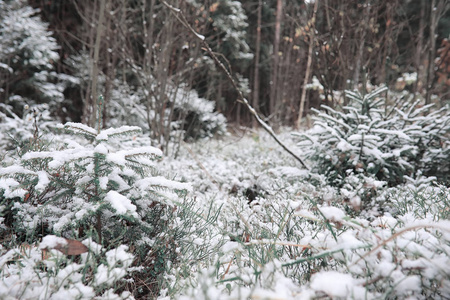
[294,236]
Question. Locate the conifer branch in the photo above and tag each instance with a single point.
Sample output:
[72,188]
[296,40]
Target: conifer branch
[180,16]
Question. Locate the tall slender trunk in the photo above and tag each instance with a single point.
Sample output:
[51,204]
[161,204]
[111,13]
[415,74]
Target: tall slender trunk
[418,56]
[255,101]
[275,59]
[110,61]
[432,53]
[87,103]
[95,68]
[360,54]
[308,64]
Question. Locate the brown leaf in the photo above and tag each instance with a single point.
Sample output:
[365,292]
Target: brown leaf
[73,247]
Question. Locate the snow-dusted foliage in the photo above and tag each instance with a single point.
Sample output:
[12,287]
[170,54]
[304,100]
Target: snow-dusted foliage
[40,272]
[197,116]
[27,54]
[192,116]
[90,189]
[21,130]
[230,21]
[370,138]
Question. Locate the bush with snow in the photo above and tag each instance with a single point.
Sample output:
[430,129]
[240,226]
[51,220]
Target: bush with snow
[197,116]
[371,138]
[27,54]
[89,189]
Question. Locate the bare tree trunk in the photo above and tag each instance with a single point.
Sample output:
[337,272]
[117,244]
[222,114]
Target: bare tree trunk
[255,101]
[360,54]
[308,64]
[276,58]
[110,54]
[87,105]
[95,69]
[437,11]
[418,56]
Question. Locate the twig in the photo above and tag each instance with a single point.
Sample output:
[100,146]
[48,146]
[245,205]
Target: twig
[228,268]
[180,16]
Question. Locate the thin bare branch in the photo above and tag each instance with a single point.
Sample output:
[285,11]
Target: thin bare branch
[180,16]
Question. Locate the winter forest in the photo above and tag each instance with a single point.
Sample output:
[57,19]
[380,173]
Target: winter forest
[224,149]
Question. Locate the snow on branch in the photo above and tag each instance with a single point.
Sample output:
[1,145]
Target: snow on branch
[79,128]
[104,135]
[160,181]
[121,157]
[14,170]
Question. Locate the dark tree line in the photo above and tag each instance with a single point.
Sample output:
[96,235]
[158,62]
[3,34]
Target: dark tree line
[273,49]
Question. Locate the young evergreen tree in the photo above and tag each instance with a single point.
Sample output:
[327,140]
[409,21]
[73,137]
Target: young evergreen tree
[92,191]
[28,53]
[371,138]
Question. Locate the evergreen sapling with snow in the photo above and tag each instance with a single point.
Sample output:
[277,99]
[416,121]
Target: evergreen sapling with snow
[370,142]
[93,191]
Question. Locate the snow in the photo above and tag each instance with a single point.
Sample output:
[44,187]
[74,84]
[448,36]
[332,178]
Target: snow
[333,214]
[257,249]
[160,181]
[13,170]
[120,157]
[101,148]
[11,188]
[81,128]
[288,172]
[51,242]
[201,37]
[120,203]
[333,284]
[43,181]
[230,246]
[104,135]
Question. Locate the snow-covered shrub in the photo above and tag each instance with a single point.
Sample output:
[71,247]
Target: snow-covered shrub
[291,248]
[192,116]
[371,138]
[27,54]
[196,116]
[89,188]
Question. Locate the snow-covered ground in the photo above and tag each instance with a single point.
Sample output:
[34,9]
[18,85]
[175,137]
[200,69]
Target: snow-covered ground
[257,226]
[288,235]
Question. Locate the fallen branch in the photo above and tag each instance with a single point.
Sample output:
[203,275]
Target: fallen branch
[180,16]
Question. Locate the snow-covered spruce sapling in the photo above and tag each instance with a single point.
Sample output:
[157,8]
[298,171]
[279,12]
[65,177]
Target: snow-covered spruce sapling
[80,190]
[373,139]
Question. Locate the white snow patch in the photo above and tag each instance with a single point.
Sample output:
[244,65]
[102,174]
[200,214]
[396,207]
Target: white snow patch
[13,170]
[52,241]
[160,181]
[332,213]
[120,203]
[43,181]
[100,148]
[306,214]
[230,246]
[333,283]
